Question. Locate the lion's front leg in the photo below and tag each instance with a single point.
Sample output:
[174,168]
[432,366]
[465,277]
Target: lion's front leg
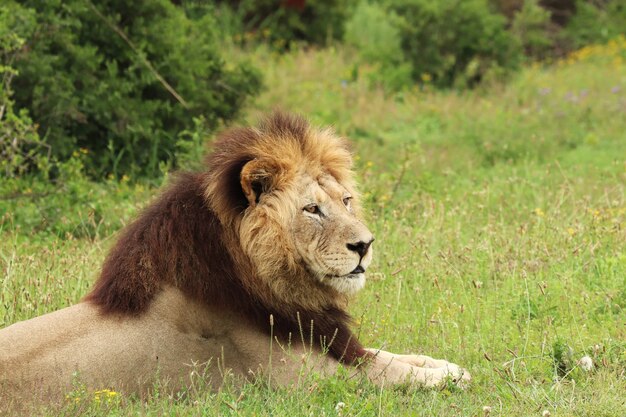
[418,369]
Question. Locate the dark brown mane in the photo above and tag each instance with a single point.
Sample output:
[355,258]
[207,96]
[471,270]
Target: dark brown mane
[179,240]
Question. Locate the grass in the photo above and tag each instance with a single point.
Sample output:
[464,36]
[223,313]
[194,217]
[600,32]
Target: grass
[500,217]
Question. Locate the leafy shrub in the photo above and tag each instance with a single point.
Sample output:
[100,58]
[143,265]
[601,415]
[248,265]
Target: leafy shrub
[281,23]
[20,145]
[374,32]
[191,145]
[563,358]
[121,79]
[531,25]
[455,42]
[595,22]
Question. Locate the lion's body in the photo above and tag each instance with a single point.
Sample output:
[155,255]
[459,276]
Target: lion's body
[266,242]
[46,355]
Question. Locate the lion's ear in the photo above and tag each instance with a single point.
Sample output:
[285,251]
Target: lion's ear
[257,177]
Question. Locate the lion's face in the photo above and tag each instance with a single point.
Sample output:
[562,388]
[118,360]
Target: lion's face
[288,192]
[331,242]
[308,231]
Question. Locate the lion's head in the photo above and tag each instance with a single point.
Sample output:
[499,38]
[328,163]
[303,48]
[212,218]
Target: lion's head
[287,191]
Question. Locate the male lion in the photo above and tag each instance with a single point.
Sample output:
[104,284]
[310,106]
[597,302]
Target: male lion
[229,265]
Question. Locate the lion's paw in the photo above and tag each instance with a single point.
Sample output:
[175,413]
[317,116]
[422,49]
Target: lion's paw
[461,377]
[420,370]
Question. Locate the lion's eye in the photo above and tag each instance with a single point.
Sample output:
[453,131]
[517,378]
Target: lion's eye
[346,201]
[312,208]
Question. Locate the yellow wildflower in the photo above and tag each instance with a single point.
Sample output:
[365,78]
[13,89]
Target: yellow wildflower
[106,394]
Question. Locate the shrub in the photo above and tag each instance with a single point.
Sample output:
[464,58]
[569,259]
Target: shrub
[374,33]
[455,42]
[531,25]
[121,79]
[21,149]
[281,23]
[563,358]
[596,22]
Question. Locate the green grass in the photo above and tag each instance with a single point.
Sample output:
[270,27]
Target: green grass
[500,218]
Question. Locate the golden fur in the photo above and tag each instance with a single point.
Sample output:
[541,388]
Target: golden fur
[267,240]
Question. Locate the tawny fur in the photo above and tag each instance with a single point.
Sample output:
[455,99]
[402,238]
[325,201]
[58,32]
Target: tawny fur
[221,260]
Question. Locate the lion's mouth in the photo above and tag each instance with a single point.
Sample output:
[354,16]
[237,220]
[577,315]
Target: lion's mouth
[355,273]
[358,270]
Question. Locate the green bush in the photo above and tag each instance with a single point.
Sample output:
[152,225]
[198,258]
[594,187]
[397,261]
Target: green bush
[379,44]
[21,148]
[455,43]
[596,22]
[531,25]
[282,23]
[121,79]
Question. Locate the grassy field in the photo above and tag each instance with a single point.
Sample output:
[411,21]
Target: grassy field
[500,217]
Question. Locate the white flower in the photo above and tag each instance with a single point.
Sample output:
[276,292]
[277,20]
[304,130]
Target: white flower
[487,410]
[545,413]
[585,363]
[340,405]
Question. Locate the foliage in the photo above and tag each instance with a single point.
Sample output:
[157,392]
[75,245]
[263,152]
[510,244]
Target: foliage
[20,145]
[455,42]
[191,145]
[611,53]
[71,207]
[595,22]
[373,32]
[286,22]
[531,25]
[563,357]
[122,79]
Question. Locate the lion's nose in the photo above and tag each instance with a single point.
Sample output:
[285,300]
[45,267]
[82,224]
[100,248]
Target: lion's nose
[360,247]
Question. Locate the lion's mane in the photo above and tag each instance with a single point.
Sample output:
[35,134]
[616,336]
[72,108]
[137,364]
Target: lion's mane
[190,238]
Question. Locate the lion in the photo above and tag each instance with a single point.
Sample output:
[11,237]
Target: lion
[247,266]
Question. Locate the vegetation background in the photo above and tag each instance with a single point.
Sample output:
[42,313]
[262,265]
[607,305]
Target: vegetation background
[490,139]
